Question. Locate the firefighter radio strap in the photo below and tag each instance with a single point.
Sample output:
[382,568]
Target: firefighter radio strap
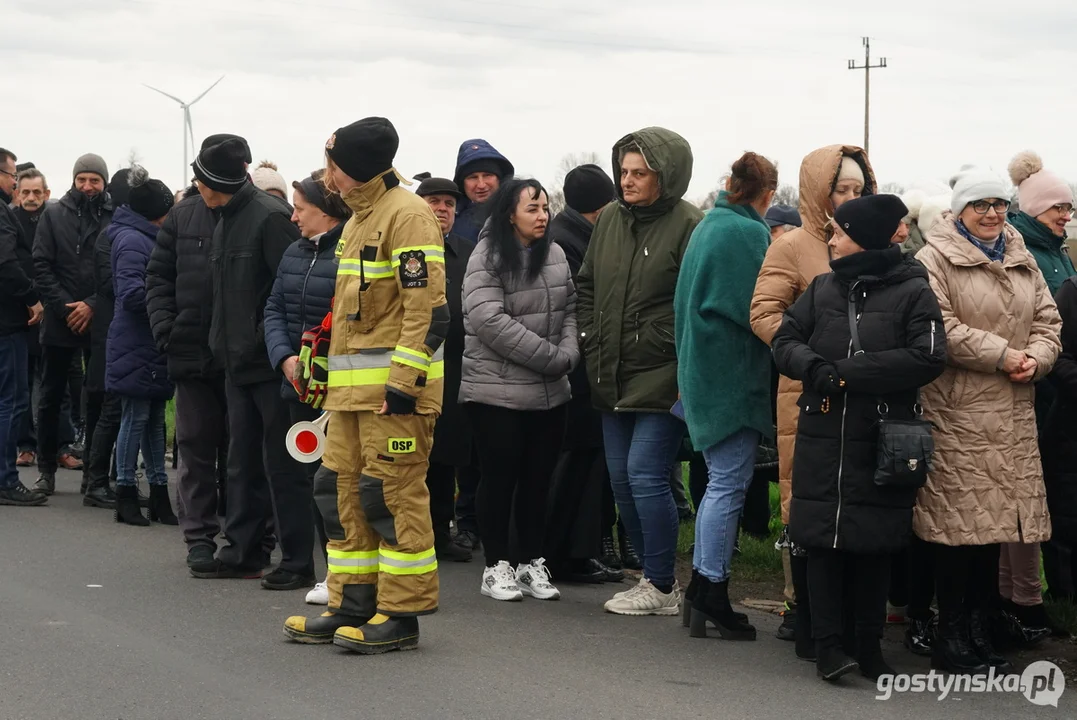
[311,379]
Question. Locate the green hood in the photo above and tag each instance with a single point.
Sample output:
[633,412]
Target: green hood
[668,154]
[1036,234]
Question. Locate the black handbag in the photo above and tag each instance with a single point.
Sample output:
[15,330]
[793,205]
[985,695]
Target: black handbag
[905,447]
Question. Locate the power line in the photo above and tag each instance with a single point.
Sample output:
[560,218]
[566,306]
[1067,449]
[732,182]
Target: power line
[867,67]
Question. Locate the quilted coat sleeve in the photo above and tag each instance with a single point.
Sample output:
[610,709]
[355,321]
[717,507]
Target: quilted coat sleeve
[484,308]
[792,354]
[1044,343]
[161,283]
[966,347]
[1064,375]
[775,289]
[129,274]
[921,361]
[278,344]
[570,343]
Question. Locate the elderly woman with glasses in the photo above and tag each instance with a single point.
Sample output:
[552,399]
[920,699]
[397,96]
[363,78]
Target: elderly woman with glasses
[986,486]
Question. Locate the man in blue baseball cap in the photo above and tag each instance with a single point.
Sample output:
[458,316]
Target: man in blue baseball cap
[782,219]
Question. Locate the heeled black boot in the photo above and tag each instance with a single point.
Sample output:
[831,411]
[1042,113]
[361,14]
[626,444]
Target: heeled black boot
[161,506]
[711,605]
[869,656]
[689,598]
[832,662]
[952,652]
[127,510]
[980,640]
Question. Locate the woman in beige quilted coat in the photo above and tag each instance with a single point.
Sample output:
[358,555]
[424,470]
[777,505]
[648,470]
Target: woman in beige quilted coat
[986,485]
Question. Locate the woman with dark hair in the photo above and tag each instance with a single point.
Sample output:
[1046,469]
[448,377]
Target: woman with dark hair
[714,296]
[302,296]
[520,344]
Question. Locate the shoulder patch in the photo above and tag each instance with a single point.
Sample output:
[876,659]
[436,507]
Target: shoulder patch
[413,272]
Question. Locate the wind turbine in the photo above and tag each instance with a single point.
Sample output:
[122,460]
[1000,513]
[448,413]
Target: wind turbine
[188,130]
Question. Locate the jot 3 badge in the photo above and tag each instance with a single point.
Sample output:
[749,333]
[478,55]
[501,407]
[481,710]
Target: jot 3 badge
[413,269]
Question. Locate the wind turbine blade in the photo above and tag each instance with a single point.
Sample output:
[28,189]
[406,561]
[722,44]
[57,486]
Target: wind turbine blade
[173,97]
[190,129]
[206,91]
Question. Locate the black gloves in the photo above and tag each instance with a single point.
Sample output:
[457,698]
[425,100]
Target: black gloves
[825,381]
[399,403]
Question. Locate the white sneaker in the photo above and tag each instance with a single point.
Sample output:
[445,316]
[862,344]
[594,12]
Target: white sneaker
[499,582]
[319,595]
[645,599]
[534,579]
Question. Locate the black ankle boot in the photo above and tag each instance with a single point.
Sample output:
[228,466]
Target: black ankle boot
[100,496]
[952,652]
[980,641]
[609,556]
[629,558]
[1030,625]
[869,657]
[711,605]
[920,635]
[161,506]
[831,661]
[127,509]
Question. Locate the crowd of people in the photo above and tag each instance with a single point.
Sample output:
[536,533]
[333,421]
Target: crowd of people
[503,380]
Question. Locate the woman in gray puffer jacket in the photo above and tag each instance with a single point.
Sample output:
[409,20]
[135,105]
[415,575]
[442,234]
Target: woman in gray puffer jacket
[520,344]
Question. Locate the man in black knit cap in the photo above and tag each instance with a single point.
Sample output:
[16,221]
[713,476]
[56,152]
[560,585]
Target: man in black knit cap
[252,233]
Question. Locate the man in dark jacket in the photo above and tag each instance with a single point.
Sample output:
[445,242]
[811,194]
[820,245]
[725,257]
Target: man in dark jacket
[452,455]
[480,170]
[179,298]
[19,307]
[253,231]
[581,497]
[63,261]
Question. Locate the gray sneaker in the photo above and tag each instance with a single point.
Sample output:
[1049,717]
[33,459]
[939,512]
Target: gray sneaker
[645,599]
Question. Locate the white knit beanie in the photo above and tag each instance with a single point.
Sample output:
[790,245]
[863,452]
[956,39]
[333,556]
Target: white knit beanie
[265,177]
[975,183]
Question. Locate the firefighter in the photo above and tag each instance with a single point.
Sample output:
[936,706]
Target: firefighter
[385,372]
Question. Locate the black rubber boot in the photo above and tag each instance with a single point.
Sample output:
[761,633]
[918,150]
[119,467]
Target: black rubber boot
[127,510]
[161,506]
[99,496]
[320,630]
[980,641]
[831,661]
[952,652]
[711,605]
[382,634]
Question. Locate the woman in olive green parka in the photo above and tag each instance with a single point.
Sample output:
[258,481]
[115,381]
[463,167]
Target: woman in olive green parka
[625,318]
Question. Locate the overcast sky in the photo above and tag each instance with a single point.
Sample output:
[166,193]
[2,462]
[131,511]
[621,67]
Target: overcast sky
[966,83]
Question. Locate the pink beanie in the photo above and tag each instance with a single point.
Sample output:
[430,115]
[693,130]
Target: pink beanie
[1037,189]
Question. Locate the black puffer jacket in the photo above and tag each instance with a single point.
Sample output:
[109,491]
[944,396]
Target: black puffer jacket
[836,503]
[102,316]
[302,296]
[63,261]
[1058,442]
[253,232]
[29,222]
[17,291]
[179,290]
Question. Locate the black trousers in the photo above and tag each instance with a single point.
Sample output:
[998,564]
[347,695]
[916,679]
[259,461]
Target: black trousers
[300,412]
[103,411]
[837,577]
[912,579]
[467,481]
[966,577]
[1059,569]
[201,434]
[515,449]
[441,482]
[574,525]
[28,426]
[57,372]
[263,477]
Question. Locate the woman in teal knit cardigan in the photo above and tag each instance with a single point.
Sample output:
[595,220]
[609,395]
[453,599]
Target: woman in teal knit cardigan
[723,372]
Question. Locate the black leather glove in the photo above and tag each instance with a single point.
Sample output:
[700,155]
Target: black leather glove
[825,381]
[398,403]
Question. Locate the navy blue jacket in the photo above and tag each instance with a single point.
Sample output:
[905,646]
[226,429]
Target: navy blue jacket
[470,216]
[134,366]
[302,295]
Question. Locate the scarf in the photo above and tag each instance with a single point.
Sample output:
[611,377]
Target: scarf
[995,253]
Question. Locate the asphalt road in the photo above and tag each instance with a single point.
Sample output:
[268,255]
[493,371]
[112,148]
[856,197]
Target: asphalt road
[99,620]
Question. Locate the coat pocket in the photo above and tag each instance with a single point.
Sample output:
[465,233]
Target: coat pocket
[376,276]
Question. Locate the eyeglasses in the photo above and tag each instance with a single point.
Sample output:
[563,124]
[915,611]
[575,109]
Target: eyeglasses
[1062,208]
[10,174]
[980,207]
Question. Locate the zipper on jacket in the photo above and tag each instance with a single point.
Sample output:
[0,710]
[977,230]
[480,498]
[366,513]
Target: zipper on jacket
[841,457]
[598,339]
[932,351]
[636,324]
[303,294]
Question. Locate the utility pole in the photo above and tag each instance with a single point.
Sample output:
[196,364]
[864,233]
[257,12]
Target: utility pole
[867,67]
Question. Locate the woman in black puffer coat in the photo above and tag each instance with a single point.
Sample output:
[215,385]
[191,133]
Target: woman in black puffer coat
[848,524]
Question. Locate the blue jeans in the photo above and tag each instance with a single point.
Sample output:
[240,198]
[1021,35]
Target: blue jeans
[640,448]
[14,403]
[730,465]
[142,424]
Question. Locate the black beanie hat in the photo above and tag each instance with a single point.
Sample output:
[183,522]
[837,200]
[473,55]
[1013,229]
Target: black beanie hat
[872,220]
[588,188]
[221,164]
[149,198]
[118,188]
[364,149]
